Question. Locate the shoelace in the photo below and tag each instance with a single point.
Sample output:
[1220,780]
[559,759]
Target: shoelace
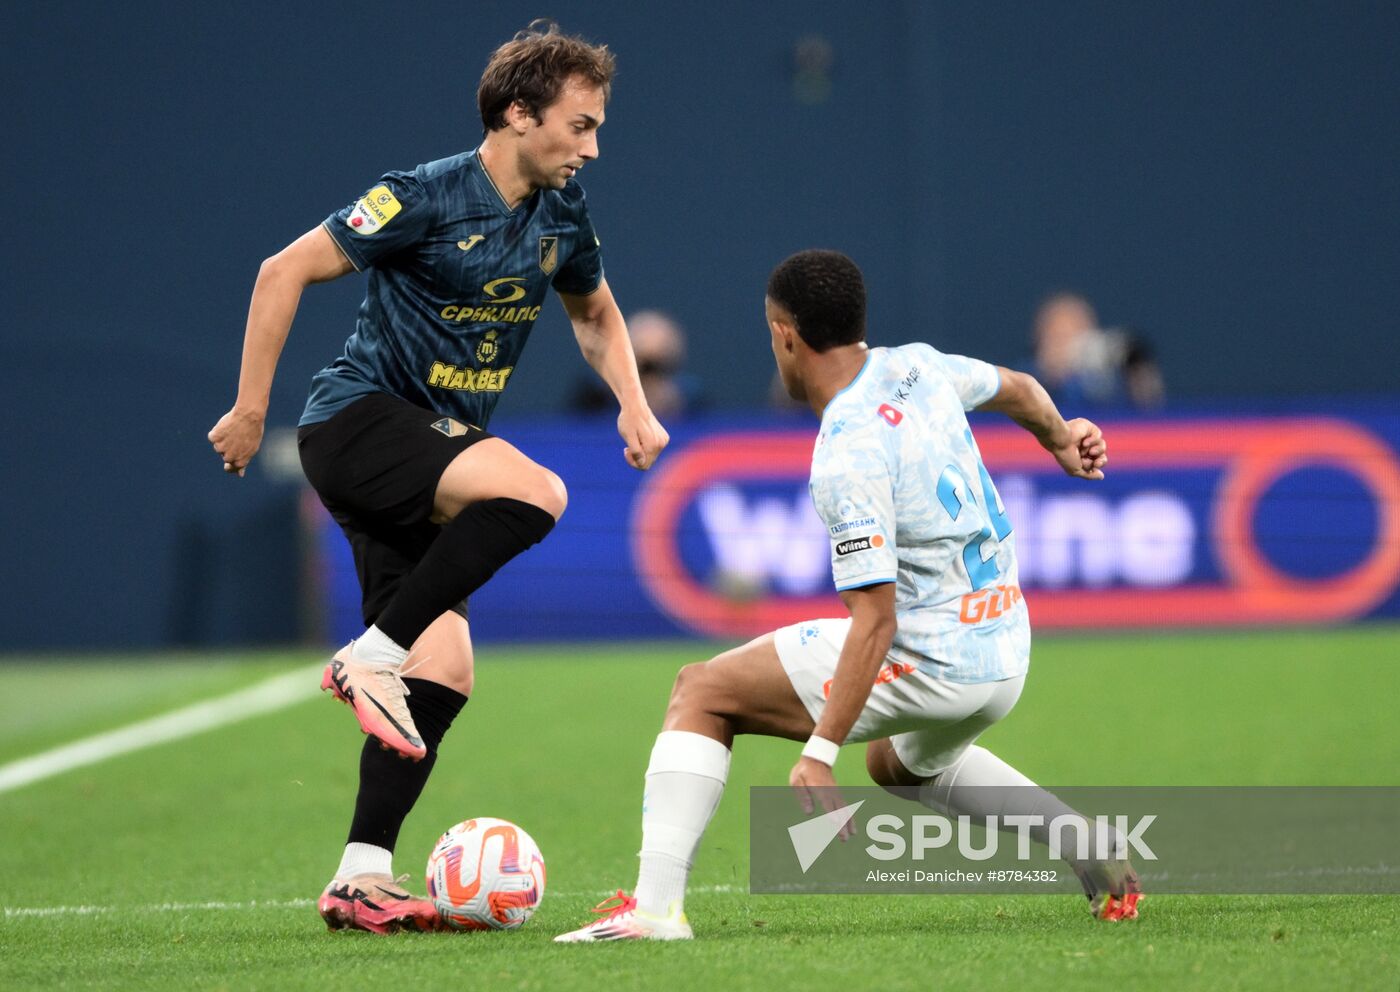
[625,905]
[396,883]
[394,676]
[410,663]
[391,679]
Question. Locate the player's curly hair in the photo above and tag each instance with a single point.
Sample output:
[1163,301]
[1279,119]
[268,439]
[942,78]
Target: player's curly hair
[532,68]
[825,293]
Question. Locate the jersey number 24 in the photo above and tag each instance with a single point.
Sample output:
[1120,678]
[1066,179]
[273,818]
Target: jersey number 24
[955,494]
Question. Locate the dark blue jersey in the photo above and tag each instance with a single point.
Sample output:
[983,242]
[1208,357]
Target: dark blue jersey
[456,281]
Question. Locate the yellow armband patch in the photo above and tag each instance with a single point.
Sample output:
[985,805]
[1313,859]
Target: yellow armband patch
[373,210]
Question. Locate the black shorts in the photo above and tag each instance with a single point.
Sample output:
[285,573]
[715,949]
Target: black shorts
[376,466]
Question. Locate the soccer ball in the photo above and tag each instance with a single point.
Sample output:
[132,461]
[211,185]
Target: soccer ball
[486,874]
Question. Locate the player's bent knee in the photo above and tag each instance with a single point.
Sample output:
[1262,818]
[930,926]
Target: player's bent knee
[876,764]
[885,768]
[549,493]
[493,469]
[543,488]
[688,691]
[686,680]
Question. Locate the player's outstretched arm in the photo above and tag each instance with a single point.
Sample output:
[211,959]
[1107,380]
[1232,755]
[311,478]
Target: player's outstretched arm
[602,337]
[313,257]
[1078,445]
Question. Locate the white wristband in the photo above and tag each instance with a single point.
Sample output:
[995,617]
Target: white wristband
[821,749]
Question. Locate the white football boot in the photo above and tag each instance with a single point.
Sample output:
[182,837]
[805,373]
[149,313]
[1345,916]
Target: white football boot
[624,921]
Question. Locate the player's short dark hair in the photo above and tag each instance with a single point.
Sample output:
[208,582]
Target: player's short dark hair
[825,293]
[532,68]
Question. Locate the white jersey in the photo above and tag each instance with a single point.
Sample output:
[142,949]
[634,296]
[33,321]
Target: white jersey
[900,485]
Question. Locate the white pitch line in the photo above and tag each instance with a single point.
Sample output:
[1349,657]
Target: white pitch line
[20,912]
[275,693]
[160,907]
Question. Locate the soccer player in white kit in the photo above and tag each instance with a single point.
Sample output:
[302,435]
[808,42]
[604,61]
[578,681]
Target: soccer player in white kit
[937,645]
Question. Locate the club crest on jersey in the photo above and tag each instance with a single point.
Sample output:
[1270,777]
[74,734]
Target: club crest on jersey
[372,211]
[549,254]
[488,349]
[450,427]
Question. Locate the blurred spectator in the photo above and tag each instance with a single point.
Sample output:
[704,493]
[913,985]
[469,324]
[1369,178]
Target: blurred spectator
[1083,365]
[659,344]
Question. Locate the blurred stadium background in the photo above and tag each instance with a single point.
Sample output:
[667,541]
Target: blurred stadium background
[1217,180]
[1218,177]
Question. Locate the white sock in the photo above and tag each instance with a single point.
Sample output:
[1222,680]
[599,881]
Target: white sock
[685,780]
[980,784]
[374,646]
[365,859]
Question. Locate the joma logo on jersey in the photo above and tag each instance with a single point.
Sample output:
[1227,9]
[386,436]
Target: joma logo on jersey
[445,376]
[860,544]
[489,315]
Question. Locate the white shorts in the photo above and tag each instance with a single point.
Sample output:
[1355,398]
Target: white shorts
[930,722]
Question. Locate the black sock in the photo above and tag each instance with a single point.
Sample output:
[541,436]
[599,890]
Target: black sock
[390,785]
[470,549]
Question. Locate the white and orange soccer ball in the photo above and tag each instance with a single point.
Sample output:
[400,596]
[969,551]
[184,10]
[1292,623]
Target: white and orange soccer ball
[486,874]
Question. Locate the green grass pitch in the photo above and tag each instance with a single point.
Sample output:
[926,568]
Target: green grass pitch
[253,815]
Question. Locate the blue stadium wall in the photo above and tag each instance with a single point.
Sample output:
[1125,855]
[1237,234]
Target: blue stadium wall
[1219,175]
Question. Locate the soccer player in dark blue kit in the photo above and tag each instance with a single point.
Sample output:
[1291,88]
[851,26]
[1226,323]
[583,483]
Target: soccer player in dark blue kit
[460,254]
